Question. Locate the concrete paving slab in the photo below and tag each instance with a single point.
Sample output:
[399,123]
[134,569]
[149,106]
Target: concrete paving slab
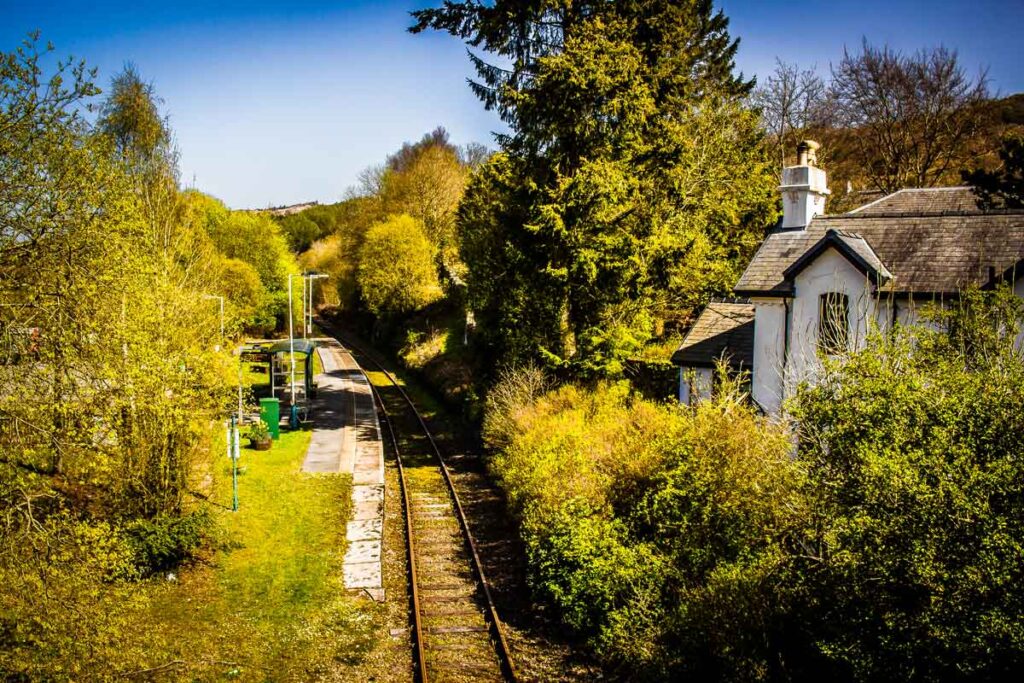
[363,530]
[367,509]
[347,439]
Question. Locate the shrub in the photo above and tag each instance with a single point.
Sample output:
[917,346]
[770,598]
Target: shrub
[693,543]
[517,389]
[166,541]
[658,532]
[915,450]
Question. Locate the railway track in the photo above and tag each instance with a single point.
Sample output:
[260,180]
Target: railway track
[457,634]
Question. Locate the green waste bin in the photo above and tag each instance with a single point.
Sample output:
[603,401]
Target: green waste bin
[270,412]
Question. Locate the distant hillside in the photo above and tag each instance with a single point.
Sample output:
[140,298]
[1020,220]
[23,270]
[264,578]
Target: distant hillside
[849,184]
[285,210]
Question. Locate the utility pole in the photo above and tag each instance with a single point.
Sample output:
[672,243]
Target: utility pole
[312,277]
[294,415]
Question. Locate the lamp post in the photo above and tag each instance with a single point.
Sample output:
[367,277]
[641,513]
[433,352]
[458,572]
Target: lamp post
[312,276]
[220,300]
[303,305]
[293,420]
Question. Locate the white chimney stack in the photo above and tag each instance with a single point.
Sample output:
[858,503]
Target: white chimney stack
[804,188]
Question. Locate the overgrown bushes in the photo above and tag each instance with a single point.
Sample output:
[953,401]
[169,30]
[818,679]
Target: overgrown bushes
[882,540]
[914,564]
[166,541]
[658,532]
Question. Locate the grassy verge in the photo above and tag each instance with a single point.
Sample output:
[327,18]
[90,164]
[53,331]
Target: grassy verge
[269,605]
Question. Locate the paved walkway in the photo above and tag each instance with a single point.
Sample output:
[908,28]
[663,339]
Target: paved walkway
[346,438]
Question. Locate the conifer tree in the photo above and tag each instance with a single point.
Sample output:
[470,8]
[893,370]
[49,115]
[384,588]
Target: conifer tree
[632,182]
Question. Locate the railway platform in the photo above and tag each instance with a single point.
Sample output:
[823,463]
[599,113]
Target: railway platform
[347,439]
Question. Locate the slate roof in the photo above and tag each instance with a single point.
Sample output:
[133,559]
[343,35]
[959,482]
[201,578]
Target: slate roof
[923,200]
[724,329]
[926,251]
[853,246]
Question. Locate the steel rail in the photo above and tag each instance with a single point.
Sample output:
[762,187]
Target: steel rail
[417,626]
[503,650]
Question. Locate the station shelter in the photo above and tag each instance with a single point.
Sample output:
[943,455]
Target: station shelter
[275,356]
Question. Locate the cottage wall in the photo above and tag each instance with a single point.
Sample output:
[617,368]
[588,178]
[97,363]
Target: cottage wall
[769,347]
[829,273]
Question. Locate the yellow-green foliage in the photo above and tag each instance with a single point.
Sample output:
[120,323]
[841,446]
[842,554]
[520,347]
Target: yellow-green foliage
[329,256]
[396,267]
[112,387]
[656,530]
[429,188]
[421,349]
[256,240]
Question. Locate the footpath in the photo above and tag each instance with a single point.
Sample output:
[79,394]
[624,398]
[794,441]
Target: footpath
[347,438]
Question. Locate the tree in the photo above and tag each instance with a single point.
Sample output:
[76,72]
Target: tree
[914,116]
[1003,187]
[473,155]
[112,389]
[428,186]
[396,267]
[130,116]
[300,230]
[604,198]
[252,237]
[791,101]
[525,33]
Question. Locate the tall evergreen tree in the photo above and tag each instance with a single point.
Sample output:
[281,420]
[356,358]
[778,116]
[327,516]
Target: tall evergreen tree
[1002,188]
[631,180]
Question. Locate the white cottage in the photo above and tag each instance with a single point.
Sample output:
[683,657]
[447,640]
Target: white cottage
[819,283]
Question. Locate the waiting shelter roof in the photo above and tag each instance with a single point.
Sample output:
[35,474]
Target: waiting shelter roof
[305,346]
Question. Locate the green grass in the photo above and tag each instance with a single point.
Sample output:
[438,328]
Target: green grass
[271,604]
[318,366]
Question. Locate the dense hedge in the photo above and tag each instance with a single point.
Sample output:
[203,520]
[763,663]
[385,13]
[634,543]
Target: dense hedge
[879,537]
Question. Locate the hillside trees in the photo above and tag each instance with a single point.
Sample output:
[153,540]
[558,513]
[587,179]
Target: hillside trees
[887,120]
[424,180]
[428,186]
[396,267]
[915,115]
[608,205]
[245,241]
[791,100]
[1003,187]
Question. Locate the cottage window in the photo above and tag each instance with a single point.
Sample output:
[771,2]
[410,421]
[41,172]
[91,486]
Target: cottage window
[833,323]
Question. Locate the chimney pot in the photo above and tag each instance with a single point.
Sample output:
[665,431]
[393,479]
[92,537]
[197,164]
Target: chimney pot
[807,153]
[804,188]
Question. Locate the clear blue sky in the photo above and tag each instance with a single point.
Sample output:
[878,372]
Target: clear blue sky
[281,102]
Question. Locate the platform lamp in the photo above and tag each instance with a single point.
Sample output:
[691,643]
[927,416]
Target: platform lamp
[312,276]
[293,415]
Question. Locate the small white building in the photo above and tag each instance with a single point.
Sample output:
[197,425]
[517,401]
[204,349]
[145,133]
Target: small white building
[818,284]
